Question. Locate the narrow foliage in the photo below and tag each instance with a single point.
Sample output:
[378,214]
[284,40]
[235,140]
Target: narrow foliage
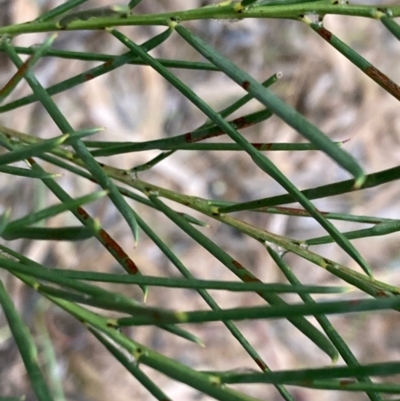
[128,191]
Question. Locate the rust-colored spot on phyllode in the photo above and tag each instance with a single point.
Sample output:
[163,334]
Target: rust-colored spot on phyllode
[88,77]
[110,243]
[239,121]
[324,33]
[24,67]
[31,160]
[246,85]
[156,315]
[300,212]
[237,264]
[263,146]
[108,63]
[384,81]
[382,293]
[208,135]
[247,278]
[346,382]
[261,364]
[82,212]
[307,383]
[131,266]
[188,137]
[213,135]
[21,71]
[375,222]
[319,211]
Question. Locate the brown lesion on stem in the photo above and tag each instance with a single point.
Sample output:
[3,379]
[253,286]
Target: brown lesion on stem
[384,81]
[112,245]
[17,76]
[324,33]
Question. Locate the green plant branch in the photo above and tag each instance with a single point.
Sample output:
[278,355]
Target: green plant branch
[335,372]
[244,274]
[67,289]
[199,284]
[87,56]
[274,104]
[323,191]
[343,349]
[64,126]
[191,137]
[208,384]
[290,211]
[217,11]
[371,286]
[154,316]
[61,9]
[102,236]
[88,75]
[26,346]
[130,364]
[376,230]
[85,293]
[366,67]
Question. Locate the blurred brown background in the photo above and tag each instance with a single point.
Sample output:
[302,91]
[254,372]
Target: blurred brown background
[135,104]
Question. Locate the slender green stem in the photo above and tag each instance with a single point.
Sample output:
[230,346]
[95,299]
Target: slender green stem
[323,191]
[217,11]
[61,9]
[289,376]
[151,316]
[292,118]
[26,346]
[365,66]
[198,284]
[103,179]
[208,384]
[87,56]
[391,25]
[103,237]
[372,287]
[324,322]
[244,274]
[191,137]
[90,74]
[130,364]
[378,229]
